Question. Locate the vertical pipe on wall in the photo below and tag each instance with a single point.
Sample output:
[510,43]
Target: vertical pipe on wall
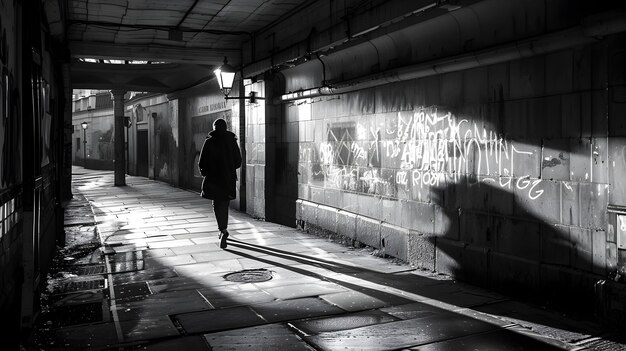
[242,146]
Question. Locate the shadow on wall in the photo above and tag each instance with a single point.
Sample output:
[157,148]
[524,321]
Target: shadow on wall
[496,239]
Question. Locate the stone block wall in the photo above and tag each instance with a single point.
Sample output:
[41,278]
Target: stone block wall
[498,174]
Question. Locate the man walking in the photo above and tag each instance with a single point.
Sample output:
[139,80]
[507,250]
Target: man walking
[219,159]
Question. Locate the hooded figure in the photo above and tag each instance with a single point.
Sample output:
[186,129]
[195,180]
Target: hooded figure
[219,159]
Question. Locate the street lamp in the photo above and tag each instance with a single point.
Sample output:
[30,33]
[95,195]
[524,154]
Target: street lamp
[225,75]
[84,125]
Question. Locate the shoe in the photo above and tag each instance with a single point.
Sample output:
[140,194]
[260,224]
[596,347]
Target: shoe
[223,236]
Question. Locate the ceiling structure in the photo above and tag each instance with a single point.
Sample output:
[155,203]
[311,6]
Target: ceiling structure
[169,30]
[192,35]
[186,39]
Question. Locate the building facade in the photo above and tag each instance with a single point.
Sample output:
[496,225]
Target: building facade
[92,137]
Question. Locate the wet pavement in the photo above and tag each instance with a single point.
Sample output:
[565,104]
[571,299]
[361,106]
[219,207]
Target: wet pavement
[142,269]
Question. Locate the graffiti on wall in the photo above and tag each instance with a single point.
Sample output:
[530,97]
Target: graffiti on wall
[417,149]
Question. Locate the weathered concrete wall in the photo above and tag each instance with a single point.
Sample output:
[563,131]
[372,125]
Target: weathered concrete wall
[164,143]
[499,174]
[99,137]
[255,162]
[144,110]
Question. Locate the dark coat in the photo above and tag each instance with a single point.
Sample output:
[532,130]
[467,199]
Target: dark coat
[219,159]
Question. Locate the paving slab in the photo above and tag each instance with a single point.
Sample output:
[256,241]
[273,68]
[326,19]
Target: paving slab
[196,235]
[266,337]
[235,295]
[414,310]
[251,234]
[132,290]
[213,239]
[93,336]
[197,269]
[401,334]
[196,224]
[147,328]
[343,322]
[190,343]
[161,304]
[354,301]
[139,276]
[313,289]
[227,264]
[195,248]
[219,320]
[170,243]
[213,256]
[169,261]
[496,340]
[279,311]
[158,253]
[173,284]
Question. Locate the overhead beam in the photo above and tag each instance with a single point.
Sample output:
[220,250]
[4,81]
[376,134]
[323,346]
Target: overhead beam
[153,53]
[117,26]
[157,78]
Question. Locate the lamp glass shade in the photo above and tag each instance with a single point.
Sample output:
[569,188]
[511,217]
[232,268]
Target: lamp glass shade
[225,75]
[84,125]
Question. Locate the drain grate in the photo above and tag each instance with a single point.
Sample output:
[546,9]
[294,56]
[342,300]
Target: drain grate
[80,285]
[90,269]
[249,276]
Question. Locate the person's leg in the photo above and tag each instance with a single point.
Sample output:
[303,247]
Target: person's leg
[220,208]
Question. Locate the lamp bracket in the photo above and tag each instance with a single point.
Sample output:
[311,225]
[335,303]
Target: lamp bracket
[253,97]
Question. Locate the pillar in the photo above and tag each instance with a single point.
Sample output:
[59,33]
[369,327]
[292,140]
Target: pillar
[119,155]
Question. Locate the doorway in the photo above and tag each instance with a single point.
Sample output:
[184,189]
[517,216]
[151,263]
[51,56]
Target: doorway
[142,153]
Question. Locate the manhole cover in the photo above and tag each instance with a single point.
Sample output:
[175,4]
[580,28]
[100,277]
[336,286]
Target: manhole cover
[249,276]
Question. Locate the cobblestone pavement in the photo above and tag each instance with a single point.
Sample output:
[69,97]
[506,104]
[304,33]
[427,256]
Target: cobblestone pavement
[142,269]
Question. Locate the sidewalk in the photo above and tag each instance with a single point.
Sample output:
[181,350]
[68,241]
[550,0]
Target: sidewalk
[144,271]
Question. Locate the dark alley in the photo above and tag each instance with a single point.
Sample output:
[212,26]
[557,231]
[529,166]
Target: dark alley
[313,174]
